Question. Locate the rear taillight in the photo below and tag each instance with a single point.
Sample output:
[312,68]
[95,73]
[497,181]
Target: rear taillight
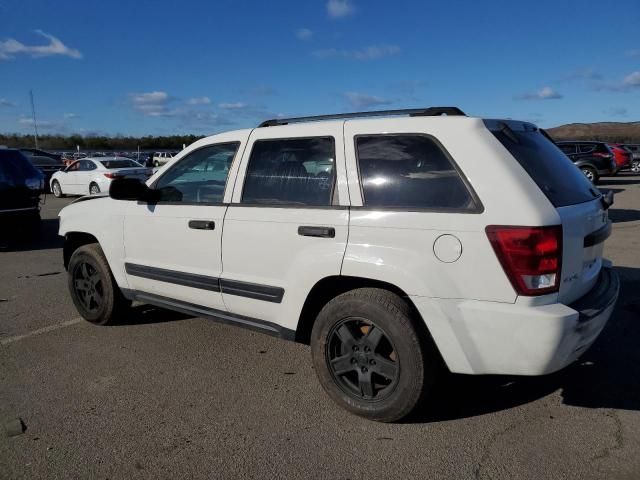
[530,256]
[603,155]
[110,175]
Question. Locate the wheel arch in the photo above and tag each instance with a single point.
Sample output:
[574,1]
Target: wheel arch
[330,287]
[73,241]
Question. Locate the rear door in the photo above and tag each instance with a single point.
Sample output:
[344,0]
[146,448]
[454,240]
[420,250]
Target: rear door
[585,223]
[287,225]
[68,179]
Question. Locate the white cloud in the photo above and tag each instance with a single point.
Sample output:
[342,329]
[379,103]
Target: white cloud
[633,53]
[632,80]
[340,8]
[616,111]
[71,115]
[12,47]
[42,124]
[627,84]
[545,93]
[362,100]
[153,104]
[233,106]
[199,101]
[372,52]
[304,34]
[6,103]
[588,73]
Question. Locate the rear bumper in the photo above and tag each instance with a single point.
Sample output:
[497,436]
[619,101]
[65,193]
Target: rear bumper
[514,339]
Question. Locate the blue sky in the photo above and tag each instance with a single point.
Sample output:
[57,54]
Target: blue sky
[154,67]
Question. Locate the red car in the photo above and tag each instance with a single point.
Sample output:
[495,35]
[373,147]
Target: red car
[621,155]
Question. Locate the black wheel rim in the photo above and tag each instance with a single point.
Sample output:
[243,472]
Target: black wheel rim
[88,286]
[362,359]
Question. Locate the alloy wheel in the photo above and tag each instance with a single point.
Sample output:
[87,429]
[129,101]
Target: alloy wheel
[362,359]
[88,286]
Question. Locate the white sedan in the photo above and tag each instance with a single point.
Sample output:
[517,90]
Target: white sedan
[93,175]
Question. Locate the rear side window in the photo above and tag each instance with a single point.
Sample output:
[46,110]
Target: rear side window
[587,147]
[567,148]
[295,171]
[558,178]
[409,171]
[16,168]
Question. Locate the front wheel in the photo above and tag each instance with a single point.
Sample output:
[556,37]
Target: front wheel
[56,189]
[635,166]
[93,289]
[590,173]
[156,163]
[370,357]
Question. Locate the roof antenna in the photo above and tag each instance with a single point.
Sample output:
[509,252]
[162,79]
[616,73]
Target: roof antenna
[33,113]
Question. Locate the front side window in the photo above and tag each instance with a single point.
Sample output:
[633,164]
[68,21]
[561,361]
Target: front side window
[295,171]
[409,171]
[199,177]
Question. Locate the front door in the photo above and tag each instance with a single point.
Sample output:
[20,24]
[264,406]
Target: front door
[173,247]
[286,227]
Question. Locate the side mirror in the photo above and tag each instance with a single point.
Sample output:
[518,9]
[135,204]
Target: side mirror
[131,189]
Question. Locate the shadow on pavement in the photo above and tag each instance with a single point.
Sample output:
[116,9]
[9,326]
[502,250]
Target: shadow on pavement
[620,180]
[606,376]
[619,215]
[148,314]
[25,236]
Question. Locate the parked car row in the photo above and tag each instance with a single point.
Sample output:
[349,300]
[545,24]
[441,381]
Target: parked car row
[597,159]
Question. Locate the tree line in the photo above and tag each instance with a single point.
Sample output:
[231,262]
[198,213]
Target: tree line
[97,143]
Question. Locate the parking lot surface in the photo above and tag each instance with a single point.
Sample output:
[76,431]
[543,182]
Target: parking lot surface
[162,395]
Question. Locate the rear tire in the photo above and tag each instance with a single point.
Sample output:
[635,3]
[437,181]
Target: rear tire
[93,289]
[369,356]
[56,189]
[590,173]
[94,189]
[635,166]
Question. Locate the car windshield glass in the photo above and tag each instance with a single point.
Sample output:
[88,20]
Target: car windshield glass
[111,164]
[39,160]
[556,175]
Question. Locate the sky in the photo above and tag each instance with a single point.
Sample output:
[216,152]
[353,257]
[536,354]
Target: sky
[160,68]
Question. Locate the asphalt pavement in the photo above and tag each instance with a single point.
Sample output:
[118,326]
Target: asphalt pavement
[163,395]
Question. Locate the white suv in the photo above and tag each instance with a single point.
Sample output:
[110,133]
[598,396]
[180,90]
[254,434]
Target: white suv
[392,245]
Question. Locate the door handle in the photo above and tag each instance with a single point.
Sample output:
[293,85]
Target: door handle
[202,224]
[324,232]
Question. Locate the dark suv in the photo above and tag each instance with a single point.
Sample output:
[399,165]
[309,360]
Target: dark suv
[20,187]
[47,163]
[594,159]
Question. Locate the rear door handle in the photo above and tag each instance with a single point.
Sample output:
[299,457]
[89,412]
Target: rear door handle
[202,224]
[312,231]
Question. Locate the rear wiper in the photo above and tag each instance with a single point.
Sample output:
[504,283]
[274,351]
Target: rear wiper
[508,132]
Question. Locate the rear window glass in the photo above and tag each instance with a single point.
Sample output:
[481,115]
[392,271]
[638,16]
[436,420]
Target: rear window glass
[409,171]
[110,164]
[14,167]
[556,175]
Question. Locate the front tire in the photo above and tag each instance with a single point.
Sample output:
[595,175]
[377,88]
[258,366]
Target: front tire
[93,289]
[369,356]
[56,189]
[590,173]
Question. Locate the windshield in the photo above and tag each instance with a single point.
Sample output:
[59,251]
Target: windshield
[556,175]
[111,164]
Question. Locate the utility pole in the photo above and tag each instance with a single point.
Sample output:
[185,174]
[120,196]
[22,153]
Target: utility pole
[33,113]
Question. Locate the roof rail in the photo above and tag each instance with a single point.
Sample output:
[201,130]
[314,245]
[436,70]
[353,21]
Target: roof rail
[412,112]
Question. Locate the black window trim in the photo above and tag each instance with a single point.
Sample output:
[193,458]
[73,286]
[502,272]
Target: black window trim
[478,206]
[334,180]
[237,143]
